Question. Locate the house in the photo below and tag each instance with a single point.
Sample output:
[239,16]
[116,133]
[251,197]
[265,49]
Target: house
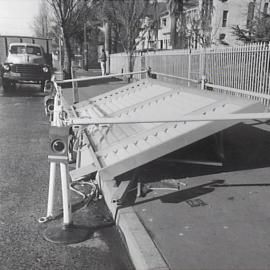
[205,23]
[158,25]
[229,13]
[164,31]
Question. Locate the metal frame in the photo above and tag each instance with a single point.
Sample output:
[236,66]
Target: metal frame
[207,123]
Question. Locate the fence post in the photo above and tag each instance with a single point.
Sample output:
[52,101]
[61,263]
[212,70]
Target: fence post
[203,82]
[189,66]
[143,76]
[202,63]
[74,84]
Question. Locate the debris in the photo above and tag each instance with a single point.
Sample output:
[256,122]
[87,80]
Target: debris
[196,202]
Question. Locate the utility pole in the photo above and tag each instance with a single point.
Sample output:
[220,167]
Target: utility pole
[60,50]
[107,45]
[85,55]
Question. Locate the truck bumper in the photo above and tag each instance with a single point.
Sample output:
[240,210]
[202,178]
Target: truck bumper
[20,77]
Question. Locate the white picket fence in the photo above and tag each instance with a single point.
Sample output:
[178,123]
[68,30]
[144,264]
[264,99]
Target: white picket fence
[244,67]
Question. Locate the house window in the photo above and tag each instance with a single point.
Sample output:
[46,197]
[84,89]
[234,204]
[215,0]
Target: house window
[265,8]
[161,44]
[164,22]
[225,18]
[222,36]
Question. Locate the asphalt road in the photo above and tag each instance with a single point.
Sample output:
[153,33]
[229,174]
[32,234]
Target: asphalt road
[24,174]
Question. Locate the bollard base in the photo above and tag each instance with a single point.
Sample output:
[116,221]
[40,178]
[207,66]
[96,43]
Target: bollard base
[66,234]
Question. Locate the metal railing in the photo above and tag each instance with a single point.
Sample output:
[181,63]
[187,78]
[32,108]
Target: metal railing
[246,67]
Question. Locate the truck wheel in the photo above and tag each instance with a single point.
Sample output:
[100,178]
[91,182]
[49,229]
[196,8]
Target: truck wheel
[42,85]
[6,84]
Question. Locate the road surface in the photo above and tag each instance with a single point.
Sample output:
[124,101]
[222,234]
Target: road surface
[24,174]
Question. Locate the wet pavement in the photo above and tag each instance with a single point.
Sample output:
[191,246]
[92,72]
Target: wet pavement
[24,174]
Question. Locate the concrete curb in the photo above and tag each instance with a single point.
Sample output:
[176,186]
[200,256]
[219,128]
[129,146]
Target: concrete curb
[143,252]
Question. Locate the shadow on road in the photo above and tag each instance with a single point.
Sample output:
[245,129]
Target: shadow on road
[92,82]
[23,90]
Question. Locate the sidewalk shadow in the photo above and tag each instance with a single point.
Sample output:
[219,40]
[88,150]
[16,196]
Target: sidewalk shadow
[246,147]
[181,195]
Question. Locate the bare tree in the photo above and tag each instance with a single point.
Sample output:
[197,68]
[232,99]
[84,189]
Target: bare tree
[126,18]
[206,14]
[195,28]
[41,24]
[175,8]
[70,16]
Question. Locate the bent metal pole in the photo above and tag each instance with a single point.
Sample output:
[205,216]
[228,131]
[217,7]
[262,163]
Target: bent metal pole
[100,77]
[194,118]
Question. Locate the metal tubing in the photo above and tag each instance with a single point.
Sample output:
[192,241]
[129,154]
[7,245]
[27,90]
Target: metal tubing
[100,77]
[51,192]
[239,91]
[194,118]
[67,215]
[174,77]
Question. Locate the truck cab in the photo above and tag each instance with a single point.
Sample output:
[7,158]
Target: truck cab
[25,63]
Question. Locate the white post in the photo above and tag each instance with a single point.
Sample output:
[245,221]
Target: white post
[51,189]
[67,217]
[74,84]
[189,66]
[203,82]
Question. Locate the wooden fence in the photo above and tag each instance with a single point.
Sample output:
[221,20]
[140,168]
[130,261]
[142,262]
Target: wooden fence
[242,67]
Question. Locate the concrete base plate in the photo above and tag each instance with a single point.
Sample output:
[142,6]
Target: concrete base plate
[71,234]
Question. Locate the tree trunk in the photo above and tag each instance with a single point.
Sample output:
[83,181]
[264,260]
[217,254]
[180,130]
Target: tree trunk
[107,33]
[131,61]
[67,57]
[173,31]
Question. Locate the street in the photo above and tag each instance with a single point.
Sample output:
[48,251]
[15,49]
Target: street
[24,175]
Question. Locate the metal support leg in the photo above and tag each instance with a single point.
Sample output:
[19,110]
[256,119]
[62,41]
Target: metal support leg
[66,233]
[220,146]
[51,193]
[67,216]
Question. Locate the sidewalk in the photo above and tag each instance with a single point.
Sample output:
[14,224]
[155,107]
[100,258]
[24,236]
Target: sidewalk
[219,219]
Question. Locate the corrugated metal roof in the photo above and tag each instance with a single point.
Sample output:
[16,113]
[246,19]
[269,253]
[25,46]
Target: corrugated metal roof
[117,148]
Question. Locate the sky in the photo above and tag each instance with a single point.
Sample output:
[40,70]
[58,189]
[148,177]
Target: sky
[16,16]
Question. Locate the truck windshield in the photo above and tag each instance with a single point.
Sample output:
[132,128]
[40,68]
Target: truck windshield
[20,49]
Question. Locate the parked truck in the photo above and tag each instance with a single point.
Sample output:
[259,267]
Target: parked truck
[25,60]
